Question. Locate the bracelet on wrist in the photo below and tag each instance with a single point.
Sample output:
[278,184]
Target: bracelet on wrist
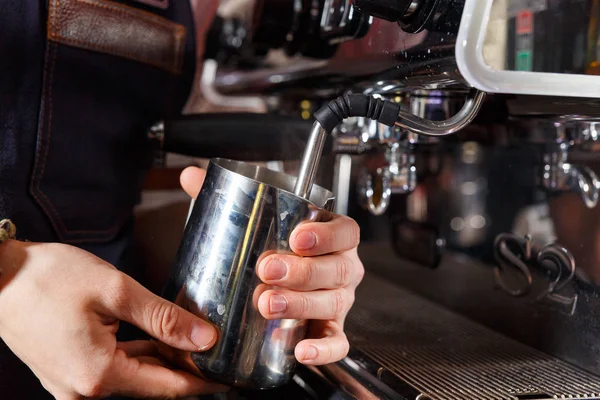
[8,230]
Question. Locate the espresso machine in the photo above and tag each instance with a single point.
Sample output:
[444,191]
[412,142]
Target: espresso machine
[478,207]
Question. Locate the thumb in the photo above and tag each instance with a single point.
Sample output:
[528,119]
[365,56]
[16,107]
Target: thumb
[191,180]
[162,319]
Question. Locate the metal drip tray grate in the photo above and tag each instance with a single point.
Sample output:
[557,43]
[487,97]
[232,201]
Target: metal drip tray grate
[445,356]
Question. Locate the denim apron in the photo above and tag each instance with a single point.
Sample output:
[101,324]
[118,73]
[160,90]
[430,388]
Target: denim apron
[76,101]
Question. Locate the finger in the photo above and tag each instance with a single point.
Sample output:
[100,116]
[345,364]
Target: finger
[138,348]
[322,351]
[260,289]
[191,180]
[163,320]
[318,238]
[320,304]
[135,379]
[151,360]
[310,273]
[179,358]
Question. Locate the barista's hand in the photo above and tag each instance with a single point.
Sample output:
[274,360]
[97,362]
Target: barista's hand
[60,309]
[318,284]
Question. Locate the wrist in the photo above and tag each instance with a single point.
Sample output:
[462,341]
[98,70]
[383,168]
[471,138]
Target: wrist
[11,257]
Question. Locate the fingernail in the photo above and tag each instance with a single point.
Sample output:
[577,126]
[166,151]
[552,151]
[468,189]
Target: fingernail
[306,240]
[275,270]
[203,336]
[277,304]
[311,353]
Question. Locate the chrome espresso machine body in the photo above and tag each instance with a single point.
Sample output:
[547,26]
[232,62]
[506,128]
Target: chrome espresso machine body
[479,209]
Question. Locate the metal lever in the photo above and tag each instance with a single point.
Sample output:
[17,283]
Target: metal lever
[507,259]
[399,176]
[376,195]
[559,175]
[563,261]
[552,260]
[578,130]
[586,184]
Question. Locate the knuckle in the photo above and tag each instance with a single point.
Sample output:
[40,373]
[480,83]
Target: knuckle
[345,348]
[91,386]
[350,302]
[116,290]
[354,233]
[178,385]
[305,305]
[360,272]
[338,304]
[342,271]
[164,319]
[329,237]
[173,390]
[329,354]
[309,271]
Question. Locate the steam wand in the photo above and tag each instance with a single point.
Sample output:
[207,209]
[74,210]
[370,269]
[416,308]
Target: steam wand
[310,161]
[384,111]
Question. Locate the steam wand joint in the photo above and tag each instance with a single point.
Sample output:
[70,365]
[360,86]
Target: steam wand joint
[327,118]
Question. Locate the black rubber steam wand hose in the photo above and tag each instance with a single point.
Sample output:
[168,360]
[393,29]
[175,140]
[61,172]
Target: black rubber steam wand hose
[327,118]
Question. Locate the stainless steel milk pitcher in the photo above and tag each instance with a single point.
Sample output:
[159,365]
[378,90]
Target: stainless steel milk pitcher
[243,213]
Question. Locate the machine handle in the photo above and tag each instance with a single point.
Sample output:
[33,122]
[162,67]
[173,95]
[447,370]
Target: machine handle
[587,184]
[376,192]
[238,136]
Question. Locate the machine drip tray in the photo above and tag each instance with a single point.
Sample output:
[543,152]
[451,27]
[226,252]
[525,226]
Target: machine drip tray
[441,355]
